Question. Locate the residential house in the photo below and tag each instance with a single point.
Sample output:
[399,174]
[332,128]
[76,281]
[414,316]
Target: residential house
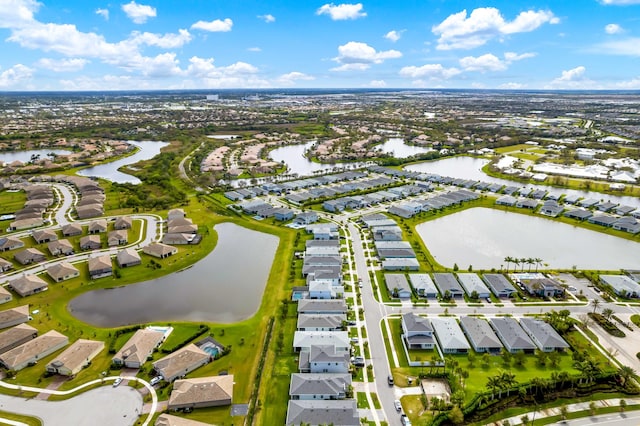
[507,200]
[472,283]
[480,334]
[306,218]
[27,285]
[406,253]
[499,285]
[447,283]
[622,285]
[543,287]
[135,352]
[10,243]
[117,238]
[62,271]
[159,250]
[579,214]
[176,214]
[21,224]
[181,362]
[546,338]
[97,226]
[423,285]
[417,332]
[28,256]
[400,264]
[312,386]
[180,239]
[71,229]
[75,357]
[315,322]
[398,286]
[34,350]
[283,214]
[90,242]
[322,412]
[89,211]
[627,224]
[14,316]
[551,208]
[324,359]
[60,248]
[214,391]
[324,290]
[100,266]
[169,420]
[5,295]
[303,340]
[16,336]
[128,257]
[513,337]
[123,222]
[5,265]
[449,335]
[42,236]
[322,307]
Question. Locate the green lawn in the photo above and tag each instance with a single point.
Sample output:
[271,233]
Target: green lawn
[31,421]
[361,397]
[11,201]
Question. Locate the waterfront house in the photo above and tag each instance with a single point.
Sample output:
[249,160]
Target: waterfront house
[181,362]
[135,352]
[159,250]
[213,391]
[75,357]
[128,257]
[62,271]
[100,266]
[27,285]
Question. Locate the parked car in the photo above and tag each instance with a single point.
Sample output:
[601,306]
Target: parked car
[155,380]
[398,405]
[117,382]
[390,380]
[405,420]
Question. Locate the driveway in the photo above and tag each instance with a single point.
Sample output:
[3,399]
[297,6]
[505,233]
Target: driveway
[104,406]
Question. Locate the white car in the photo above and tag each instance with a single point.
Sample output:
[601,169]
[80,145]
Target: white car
[397,404]
[117,382]
[155,380]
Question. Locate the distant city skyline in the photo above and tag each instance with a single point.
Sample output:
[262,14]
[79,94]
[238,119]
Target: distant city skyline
[205,44]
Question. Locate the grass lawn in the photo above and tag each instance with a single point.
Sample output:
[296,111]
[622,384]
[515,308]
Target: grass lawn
[11,201]
[31,421]
[361,397]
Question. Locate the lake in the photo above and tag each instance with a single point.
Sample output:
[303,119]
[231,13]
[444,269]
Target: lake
[109,171]
[483,237]
[471,168]
[399,149]
[25,156]
[226,286]
[293,157]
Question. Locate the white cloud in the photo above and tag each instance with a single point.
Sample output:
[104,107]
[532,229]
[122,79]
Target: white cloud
[235,75]
[487,62]
[104,13]
[268,18]
[63,65]
[162,65]
[619,2]
[512,86]
[483,24]
[626,47]
[393,35]
[166,41]
[430,71]
[573,79]
[292,77]
[138,13]
[17,13]
[342,12]
[215,26]
[613,29]
[377,83]
[573,74]
[359,56]
[512,57]
[14,75]
[254,49]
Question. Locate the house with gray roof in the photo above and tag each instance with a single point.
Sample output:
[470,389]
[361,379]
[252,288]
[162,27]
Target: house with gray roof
[386,253]
[417,331]
[322,307]
[34,350]
[90,242]
[627,224]
[62,271]
[507,200]
[622,285]
[10,243]
[320,251]
[100,266]
[118,237]
[29,256]
[579,214]
[315,322]
[499,285]
[392,245]
[60,248]
[123,222]
[41,236]
[400,264]
[27,285]
[71,229]
[14,316]
[423,285]
[446,281]
[512,336]
[449,335]
[303,340]
[551,208]
[543,287]
[322,412]
[398,286]
[471,283]
[546,338]
[128,257]
[313,386]
[16,336]
[324,359]
[480,334]
[201,392]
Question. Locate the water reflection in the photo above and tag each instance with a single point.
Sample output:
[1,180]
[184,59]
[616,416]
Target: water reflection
[399,149]
[26,156]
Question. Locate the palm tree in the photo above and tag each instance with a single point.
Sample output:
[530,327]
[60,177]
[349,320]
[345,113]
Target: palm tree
[516,261]
[508,380]
[538,262]
[508,260]
[625,373]
[530,262]
[607,313]
[595,303]
[523,261]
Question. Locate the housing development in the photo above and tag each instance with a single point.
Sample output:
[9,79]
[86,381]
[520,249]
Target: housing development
[319,257]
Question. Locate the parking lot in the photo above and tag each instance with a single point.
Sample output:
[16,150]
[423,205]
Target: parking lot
[104,406]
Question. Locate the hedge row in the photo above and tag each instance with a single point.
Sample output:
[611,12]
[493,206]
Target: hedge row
[202,330]
[118,333]
[607,325]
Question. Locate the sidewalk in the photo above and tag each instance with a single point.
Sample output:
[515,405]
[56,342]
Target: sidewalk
[571,408]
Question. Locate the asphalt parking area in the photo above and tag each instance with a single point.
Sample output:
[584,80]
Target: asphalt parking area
[104,406]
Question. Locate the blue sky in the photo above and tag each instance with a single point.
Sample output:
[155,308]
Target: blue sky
[209,44]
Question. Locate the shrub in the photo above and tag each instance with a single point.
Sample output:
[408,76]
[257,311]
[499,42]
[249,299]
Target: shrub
[607,325]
